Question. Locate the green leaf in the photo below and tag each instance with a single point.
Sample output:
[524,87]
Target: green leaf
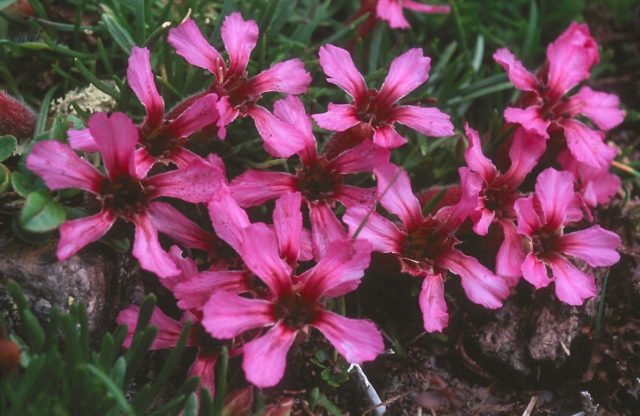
[22,184]
[120,35]
[7,146]
[41,123]
[41,213]
[113,389]
[5,178]
[6,3]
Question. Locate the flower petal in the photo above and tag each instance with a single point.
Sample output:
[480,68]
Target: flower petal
[585,144]
[572,285]
[388,137]
[525,151]
[239,37]
[202,113]
[227,315]
[170,221]
[339,271]
[595,245]
[518,74]
[406,73]
[188,41]
[228,219]
[554,190]
[426,8]
[82,140]
[510,254]
[265,358]
[195,183]
[357,340]
[287,221]
[475,158]
[602,108]
[204,367]
[60,167]
[426,120]
[291,110]
[480,284]
[396,196]
[168,329]
[325,228]
[570,57]
[148,251]
[361,158]
[287,77]
[534,271]
[351,196]
[140,79]
[529,118]
[76,234]
[254,187]
[435,317]
[391,11]
[194,293]
[116,137]
[339,117]
[383,235]
[281,139]
[528,219]
[338,65]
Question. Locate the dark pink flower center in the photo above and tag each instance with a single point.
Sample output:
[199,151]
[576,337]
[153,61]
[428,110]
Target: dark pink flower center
[296,311]
[318,182]
[370,111]
[125,196]
[544,242]
[424,244]
[498,199]
[160,145]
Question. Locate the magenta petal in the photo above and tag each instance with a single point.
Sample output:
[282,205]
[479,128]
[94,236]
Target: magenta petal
[148,251]
[194,293]
[529,118]
[168,329]
[595,245]
[143,161]
[426,8]
[265,358]
[60,167]
[426,120]
[189,43]
[204,367]
[475,158]
[261,255]
[82,140]
[510,254]
[76,234]
[287,77]
[435,317]
[451,217]
[480,284]
[568,66]
[602,108]
[194,183]
[239,37]
[228,219]
[525,151]
[534,271]
[202,113]
[585,144]
[357,340]
[396,196]
[281,139]
[572,285]
[383,235]
[325,228]
[528,219]
[339,117]
[140,79]
[291,110]
[176,225]
[391,11]
[406,73]
[287,221]
[351,196]
[362,158]
[388,137]
[227,315]
[254,187]
[338,271]
[554,190]
[481,226]
[338,65]
[518,74]
[116,137]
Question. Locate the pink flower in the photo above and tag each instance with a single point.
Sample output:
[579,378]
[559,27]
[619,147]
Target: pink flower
[391,11]
[231,81]
[294,302]
[425,245]
[123,193]
[500,191]
[541,220]
[546,109]
[376,110]
[320,180]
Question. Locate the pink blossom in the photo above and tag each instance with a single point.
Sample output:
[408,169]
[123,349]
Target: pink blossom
[541,220]
[500,191]
[231,81]
[546,108]
[391,11]
[425,245]
[161,137]
[294,302]
[377,110]
[320,180]
[123,192]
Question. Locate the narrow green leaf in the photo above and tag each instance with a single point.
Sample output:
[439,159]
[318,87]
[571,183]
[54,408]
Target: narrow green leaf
[44,111]
[478,54]
[120,35]
[35,332]
[5,178]
[99,84]
[41,213]
[112,388]
[221,381]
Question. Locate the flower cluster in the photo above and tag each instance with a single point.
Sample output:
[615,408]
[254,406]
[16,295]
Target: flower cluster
[259,286]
